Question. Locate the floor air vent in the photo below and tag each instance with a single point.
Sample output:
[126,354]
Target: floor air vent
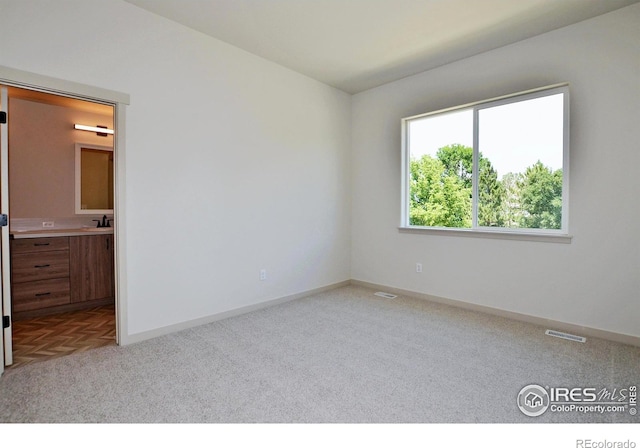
[386,295]
[569,337]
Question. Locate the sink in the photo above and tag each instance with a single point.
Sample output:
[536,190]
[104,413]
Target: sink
[97,229]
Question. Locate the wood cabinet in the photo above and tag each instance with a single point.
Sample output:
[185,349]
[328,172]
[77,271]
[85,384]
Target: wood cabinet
[91,267]
[39,273]
[56,274]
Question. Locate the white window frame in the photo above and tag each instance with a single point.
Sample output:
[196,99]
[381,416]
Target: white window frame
[548,235]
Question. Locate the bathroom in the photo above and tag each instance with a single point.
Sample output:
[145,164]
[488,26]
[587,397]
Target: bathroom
[61,224]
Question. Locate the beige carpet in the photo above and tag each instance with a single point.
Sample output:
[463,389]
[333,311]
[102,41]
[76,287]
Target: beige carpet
[341,356]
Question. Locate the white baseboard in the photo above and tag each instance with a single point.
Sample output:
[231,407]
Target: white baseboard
[143,336]
[547,323]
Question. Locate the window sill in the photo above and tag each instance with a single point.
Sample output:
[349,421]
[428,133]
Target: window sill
[500,235]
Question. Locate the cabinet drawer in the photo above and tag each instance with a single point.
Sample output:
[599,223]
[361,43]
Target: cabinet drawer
[28,245]
[39,266]
[40,294]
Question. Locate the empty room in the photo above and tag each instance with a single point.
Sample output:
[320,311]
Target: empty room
[351,211]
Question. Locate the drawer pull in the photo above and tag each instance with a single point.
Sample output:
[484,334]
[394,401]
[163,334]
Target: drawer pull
[43,294]
[42,266]
[41,244]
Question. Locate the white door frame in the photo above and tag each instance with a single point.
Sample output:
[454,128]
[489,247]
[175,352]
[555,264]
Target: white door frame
[6,343]
[31,81]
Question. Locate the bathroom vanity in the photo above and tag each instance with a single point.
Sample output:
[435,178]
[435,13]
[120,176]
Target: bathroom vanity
[59,271]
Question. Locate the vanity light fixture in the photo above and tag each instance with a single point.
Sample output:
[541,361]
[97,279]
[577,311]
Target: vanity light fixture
[100,130]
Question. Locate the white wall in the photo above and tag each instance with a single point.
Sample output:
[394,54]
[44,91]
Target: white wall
[595,280]
[233,163]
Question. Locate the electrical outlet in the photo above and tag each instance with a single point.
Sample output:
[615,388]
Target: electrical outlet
[418,267]
[48,224]
[263,274]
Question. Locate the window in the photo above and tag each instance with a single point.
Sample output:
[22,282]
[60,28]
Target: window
[518,145]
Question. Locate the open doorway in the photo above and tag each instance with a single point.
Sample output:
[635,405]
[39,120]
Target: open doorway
[62,255]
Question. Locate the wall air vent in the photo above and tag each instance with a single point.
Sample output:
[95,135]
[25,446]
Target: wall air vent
[567,336]
[386,295]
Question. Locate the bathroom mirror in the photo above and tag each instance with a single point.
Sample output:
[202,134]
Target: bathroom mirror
[94,179]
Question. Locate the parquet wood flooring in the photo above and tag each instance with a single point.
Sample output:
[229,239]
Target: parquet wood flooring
[61,334]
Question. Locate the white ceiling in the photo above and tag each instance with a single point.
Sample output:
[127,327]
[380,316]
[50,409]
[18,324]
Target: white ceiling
[355,45]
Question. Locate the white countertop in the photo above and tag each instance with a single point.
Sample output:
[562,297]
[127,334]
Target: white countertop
[46,233]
